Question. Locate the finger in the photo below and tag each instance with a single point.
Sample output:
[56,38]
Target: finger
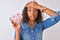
[33,0]
[15,25]
[11,21]
[27,5]
[35,3]
[20,21]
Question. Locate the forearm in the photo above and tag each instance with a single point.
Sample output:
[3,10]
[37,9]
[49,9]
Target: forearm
[48,11]
[17,35]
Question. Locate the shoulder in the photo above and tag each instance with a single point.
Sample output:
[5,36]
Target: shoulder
[39,24]
[24,25]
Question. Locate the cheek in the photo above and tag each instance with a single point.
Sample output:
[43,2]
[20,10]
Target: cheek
[28,14]
[36,14]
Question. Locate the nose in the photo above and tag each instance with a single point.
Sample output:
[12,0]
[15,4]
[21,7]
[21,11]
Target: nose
[33,12]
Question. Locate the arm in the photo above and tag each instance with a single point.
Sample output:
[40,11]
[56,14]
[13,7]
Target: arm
[45,9]
[55,17]
[48,11]
[17,35]
[50,21]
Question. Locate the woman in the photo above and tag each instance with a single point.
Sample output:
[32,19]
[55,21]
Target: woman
[31,26]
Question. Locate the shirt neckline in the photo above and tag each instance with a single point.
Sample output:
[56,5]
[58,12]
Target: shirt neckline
[29,26]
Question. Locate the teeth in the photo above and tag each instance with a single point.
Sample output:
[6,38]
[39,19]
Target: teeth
[32,16]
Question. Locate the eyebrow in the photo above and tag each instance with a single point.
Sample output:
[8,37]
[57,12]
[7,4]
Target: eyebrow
[32,7]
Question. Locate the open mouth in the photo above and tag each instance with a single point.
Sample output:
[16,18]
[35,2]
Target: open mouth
[32,16]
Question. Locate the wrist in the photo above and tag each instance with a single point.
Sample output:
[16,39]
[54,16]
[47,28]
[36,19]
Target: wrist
[17,31]
[40,7]
[44,8]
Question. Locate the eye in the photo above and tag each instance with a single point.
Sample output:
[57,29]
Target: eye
[29,10]
[36,10]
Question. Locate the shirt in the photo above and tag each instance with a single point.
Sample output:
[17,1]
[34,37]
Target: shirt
[35,33]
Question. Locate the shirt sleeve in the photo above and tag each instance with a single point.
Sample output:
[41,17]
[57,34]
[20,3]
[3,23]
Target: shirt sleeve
[20,36]
[51,21]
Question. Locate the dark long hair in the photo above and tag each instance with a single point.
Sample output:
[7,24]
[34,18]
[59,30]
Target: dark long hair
[25,15]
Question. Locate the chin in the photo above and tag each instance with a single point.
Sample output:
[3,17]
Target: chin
[32,19]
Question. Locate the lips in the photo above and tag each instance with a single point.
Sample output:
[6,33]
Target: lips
[32,16]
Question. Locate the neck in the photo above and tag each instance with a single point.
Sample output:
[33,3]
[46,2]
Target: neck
[31,23]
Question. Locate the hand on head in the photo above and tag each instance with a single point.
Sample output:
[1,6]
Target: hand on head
[33,4]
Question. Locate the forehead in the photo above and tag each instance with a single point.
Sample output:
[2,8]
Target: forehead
[31,8]
[30,4]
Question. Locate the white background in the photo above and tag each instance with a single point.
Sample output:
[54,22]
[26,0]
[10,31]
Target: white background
[12,7]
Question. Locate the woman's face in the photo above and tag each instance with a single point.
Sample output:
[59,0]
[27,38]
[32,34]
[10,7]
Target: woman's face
[32,12]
